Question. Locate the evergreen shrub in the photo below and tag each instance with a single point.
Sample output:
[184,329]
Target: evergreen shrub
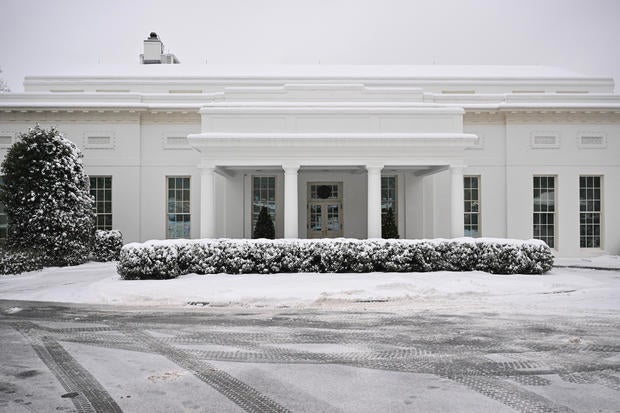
[389,229]
[107,245]
[45,193]
[264,225]
[18,261]
[158,262]
[166,259]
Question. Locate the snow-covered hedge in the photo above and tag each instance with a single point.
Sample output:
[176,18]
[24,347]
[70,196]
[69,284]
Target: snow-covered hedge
[108,245]
[18,261]
[169,259]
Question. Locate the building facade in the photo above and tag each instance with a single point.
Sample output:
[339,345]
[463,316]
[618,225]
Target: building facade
[175,152]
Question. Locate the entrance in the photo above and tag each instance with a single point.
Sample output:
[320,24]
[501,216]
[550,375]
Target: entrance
[324,209]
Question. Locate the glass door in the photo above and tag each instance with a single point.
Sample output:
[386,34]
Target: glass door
[325,210]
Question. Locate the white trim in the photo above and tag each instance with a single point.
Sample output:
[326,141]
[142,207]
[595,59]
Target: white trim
[102,135]
[7,134]
[175,141]
[215,139]
[587,134]
[478,143]
[545,140]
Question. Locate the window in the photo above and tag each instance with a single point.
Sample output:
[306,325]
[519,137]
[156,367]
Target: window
[471,186]
[263,195]
[590,211]
[544,209]
[101,190]
[3,217]
[178,200]
[388,196]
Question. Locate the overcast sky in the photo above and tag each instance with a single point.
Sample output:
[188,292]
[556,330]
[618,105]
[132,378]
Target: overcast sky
[59,36]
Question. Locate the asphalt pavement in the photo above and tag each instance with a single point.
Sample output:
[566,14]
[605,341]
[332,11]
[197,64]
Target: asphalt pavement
[67,358]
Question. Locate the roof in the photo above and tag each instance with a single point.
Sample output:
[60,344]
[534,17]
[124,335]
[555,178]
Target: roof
[316,71]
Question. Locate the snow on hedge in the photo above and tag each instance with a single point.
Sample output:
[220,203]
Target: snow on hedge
[18,261]
[171,258]
[108,244]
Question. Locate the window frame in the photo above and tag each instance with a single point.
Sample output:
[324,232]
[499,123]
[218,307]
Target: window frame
[93,193]
[189,199]
[599,212]
[478,213]
[540,213]
[395,200]
[252,201]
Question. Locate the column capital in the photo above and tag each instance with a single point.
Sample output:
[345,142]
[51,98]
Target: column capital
[457,169]
[206,166]
[290,168]
[374,167]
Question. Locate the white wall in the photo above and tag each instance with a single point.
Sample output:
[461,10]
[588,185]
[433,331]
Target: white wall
[140,157]
[567,161]
[487,159]
[160,159]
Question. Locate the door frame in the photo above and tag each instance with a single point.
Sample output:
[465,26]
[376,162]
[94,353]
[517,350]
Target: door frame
[324,202]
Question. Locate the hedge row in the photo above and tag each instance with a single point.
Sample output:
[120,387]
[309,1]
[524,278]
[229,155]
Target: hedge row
[169,259]
[107,247]
[17,261]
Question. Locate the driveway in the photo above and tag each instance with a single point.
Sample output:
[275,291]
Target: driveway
[361,358]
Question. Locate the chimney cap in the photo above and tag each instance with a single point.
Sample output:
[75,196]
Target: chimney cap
[153,36]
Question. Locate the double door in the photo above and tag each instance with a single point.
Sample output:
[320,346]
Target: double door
[325,210]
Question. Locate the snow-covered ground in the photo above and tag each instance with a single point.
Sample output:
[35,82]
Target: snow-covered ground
[560,291]
[603,261]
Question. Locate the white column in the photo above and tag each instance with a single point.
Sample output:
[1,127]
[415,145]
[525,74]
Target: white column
[374,200]
[457,200]
[207,202]
[291,207]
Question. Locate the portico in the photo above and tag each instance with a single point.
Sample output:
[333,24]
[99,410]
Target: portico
[345,136]
[359,183]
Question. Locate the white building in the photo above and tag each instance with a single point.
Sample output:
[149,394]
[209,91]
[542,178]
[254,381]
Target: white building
[172,151]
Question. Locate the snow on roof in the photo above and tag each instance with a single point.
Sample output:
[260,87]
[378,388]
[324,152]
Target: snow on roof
[314,71]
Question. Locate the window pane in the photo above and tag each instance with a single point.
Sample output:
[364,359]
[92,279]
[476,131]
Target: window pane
[472,206]
[590,211]
[388,196]
[543,191]
[179,207]
[101,191]
[264,194]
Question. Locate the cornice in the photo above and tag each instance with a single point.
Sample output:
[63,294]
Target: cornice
[332,139]
[563,116]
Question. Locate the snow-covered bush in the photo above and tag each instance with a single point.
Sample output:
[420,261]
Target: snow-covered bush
[18,261]
[46,196]
[166,259]
[149,262]
[107,245]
